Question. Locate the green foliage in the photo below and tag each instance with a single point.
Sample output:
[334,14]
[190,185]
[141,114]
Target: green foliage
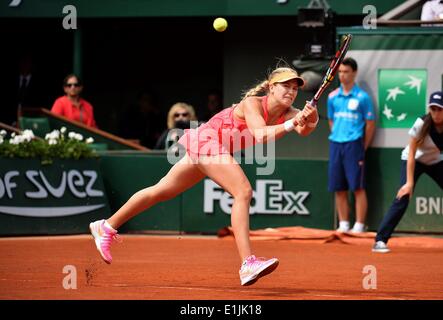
[55,146]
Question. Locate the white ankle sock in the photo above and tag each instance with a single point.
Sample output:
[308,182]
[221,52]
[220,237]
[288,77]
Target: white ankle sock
[358,226]
[107,225]
[344,225]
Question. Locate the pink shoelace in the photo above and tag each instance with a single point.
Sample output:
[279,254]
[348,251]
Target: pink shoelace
[108,238]
[251,260]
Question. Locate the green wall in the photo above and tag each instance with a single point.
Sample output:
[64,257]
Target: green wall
[126,174]
[295,194]
[425,211]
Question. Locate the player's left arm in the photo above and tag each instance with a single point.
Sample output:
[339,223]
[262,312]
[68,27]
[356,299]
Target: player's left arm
[408,187]
[369,132]
[310,113]
[368,115]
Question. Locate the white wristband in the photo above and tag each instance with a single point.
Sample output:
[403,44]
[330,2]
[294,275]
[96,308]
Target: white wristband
[312,124]
[289,125]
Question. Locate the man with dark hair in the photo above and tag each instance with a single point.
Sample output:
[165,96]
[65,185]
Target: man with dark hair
[351,120]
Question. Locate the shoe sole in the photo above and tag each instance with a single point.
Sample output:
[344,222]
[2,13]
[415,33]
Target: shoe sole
[95,237]
[381,250]
[267,270]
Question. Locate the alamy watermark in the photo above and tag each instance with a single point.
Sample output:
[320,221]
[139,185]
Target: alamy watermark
[202,143]
[370,20]
[70,280]
[70,20]
[370,279]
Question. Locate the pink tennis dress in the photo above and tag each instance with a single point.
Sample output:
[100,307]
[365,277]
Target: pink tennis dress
[222,134]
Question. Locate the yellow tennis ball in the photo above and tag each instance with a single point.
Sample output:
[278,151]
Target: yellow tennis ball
[220,24]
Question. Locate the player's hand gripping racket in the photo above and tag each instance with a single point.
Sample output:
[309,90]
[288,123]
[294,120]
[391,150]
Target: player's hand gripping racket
[333,68]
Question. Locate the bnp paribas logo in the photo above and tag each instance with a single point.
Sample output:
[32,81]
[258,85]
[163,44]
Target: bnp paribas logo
[402,96]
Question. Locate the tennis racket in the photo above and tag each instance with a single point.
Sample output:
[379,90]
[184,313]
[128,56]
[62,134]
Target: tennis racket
[333,68]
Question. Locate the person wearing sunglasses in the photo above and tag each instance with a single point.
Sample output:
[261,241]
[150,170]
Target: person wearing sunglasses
[179,117]
[424,154]
[71,105]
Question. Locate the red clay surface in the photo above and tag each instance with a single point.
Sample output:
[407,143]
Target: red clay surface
[192,268]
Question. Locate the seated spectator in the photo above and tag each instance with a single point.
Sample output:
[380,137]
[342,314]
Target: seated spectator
[179,117]
[71,105]
[214,106]
[432,11]
[140,121]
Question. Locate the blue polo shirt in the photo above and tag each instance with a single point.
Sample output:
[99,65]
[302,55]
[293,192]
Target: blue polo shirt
[349,114]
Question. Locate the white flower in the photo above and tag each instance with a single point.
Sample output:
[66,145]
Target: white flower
[13,134]
[71,135]
[63,129]
[27,135]
[54,135]
[90,140]
[78,137]
[3,133]
[28,132]
[52,141]
[17,139]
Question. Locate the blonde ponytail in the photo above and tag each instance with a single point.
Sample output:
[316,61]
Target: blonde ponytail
[257,90]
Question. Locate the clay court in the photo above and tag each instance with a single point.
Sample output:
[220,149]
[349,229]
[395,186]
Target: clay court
[192,268]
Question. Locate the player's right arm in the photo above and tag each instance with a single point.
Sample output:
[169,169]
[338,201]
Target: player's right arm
[408,187]
[262,133]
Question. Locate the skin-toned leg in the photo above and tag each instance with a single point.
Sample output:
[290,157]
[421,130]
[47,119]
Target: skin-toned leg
[361,205]
[181,177]
[341,202]
[227,173]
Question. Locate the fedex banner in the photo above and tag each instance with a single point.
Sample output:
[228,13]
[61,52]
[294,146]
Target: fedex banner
[294,195]
[269,198]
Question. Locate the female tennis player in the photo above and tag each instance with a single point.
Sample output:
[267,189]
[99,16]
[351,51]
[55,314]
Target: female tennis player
[265,113]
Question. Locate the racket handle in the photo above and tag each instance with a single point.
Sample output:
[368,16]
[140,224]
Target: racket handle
[313,102]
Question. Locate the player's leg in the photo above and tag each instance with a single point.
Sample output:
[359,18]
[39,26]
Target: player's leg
[342,205]
[337,183]
[183,175]
[180,177]
[361,205]
[436,173]
[226,172]
[355,175]
[395,212]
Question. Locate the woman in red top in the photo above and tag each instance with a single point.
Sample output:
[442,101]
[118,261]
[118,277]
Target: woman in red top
[265,113]
[71,105]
